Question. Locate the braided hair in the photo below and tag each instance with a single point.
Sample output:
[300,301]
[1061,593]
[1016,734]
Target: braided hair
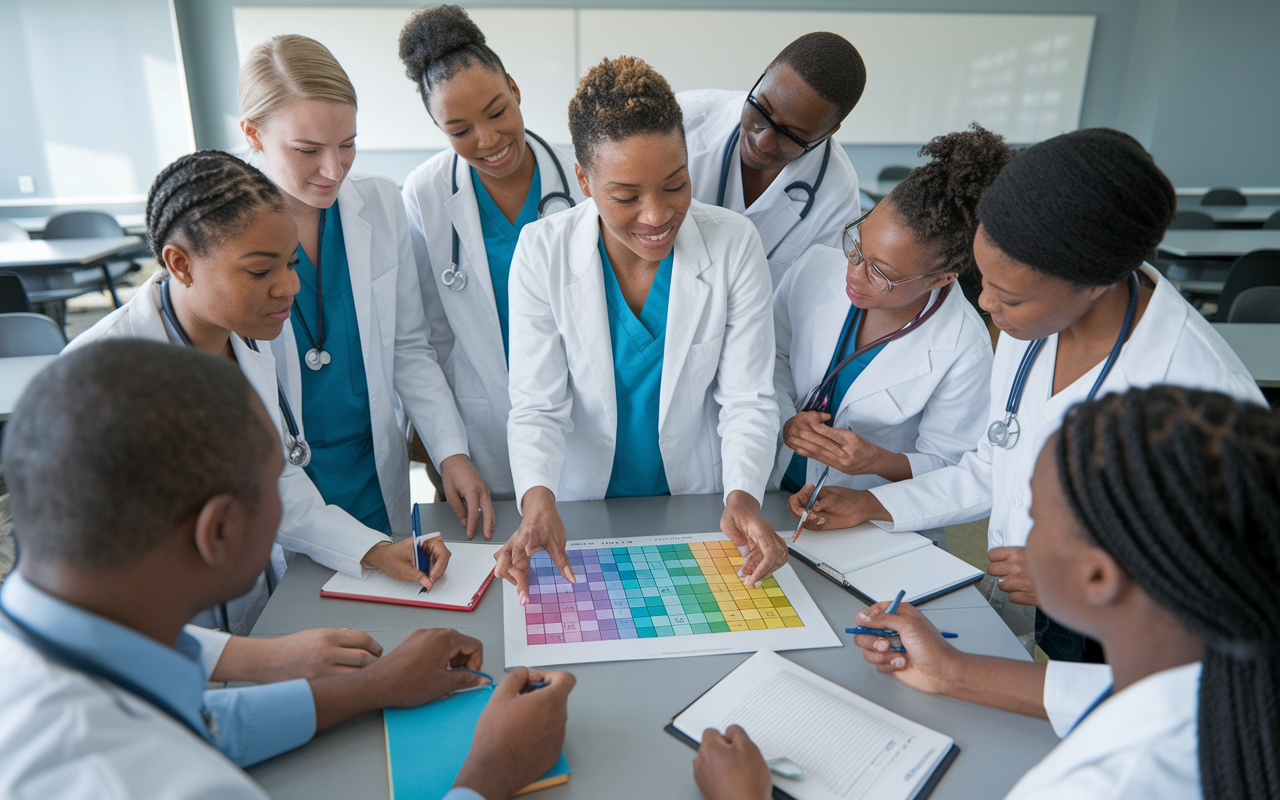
[830,66]
[939,200]
[617,99]
[204,197]
[1182,489]
[437,43]
[1086,207]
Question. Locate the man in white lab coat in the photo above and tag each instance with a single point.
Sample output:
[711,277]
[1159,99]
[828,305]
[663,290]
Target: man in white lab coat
[769,153]
[143,488]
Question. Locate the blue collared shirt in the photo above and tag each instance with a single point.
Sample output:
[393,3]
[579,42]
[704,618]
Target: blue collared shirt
[248,724]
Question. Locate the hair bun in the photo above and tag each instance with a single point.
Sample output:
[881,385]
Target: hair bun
[434,32]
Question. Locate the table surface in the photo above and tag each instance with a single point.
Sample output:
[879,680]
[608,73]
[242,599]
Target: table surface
[615,740]
[1258,345]
[57,252]
[1223,243]
[1251,213]
[15,374]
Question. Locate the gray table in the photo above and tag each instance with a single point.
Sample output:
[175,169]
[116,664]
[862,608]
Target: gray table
[45,256]
[1237,214]
[1224,243]
[15,374]
[615,740]
[1258,345]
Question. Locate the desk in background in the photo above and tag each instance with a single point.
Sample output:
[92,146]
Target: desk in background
[1251,214]
[615,741]
[41,257]
[15,374]
[1221,244]
[1258,345]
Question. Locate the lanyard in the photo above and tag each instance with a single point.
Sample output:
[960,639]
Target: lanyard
[317,356]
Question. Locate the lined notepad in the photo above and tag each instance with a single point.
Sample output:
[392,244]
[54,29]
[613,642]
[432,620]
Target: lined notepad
[469,573]
[876,564]
[848,746]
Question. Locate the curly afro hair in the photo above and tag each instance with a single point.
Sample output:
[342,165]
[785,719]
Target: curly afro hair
[437,43]
[939,201]
[619,98]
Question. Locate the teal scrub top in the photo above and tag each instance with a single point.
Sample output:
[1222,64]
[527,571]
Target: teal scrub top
[500,237]
[335,399]
[796,470]
[638,344]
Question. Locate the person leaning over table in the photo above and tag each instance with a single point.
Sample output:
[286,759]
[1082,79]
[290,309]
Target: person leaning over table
[641,335]
[124,536]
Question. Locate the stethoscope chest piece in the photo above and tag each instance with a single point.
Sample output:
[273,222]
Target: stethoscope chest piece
[299,452]
[454,278]
[1004,432]
[317,358]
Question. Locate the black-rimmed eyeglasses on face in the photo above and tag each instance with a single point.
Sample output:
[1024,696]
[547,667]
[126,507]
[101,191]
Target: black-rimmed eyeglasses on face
[757,119]
[853,251]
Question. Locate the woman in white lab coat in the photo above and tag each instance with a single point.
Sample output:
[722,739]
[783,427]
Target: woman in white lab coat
[1156,532]
[915,398]
[355,358]
[641,335]
[768,153]
[466,208]
[1064,231]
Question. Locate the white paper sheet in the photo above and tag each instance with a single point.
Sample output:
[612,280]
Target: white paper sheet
[469,566]
[922,573]
[849,549]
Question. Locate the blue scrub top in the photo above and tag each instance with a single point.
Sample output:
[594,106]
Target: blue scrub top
[500,237]
[638,344]
[796,470]
[335,399]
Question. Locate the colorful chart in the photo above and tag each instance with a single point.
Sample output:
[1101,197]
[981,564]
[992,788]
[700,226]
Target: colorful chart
[632,594]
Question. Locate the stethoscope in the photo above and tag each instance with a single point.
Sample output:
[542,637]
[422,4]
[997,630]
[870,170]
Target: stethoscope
[299,453]
[811,192]
[1004,433]
[454,277]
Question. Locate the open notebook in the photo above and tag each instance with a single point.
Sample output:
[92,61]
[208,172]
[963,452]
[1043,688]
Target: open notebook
[875,564]
[848,746]
[469,573]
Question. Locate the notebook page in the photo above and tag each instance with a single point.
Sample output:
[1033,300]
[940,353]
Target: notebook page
[469,564]
[921,572]
[848,549]
[850,747]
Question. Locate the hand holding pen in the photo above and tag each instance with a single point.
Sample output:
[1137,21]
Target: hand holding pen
[925,659]
[817,487]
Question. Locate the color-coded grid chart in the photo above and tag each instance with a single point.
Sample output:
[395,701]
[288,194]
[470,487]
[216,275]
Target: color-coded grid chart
[658,597]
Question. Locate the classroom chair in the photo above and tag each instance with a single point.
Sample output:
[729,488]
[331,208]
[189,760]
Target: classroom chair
[12,232]
[1259,268]
[25,334]
[1224,197]
[894,173]
[1192,220]
[93,225]
[1273,221]
[13,297]
[1259,304]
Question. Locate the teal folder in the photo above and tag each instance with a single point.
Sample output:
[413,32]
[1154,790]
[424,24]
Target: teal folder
[427,745]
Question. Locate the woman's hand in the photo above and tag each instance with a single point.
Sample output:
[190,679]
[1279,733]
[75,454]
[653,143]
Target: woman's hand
[842,449]
[930,663]
[397,561]
[730,767]
[763,550]
[1009,564]
[541,529]
[467,494]
[837,507]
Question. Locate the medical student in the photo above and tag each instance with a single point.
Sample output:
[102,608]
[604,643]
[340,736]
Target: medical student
[641,335]
[1062,237]
[466,208]
[1155,531]
[883,366]
[225,284]
[354,359]
[769,154]
[123,536]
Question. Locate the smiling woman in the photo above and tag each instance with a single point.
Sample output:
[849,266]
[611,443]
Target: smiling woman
[641,336]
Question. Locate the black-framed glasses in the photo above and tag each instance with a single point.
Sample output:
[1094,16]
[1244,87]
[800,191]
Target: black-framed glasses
[789,144]
[852,238]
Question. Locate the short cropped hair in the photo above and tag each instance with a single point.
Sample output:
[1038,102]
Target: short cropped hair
[617,99]
[115,444]
[831,66]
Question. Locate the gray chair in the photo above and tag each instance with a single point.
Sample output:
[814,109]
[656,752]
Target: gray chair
[1273,221]
[1259,304]
[12,232]
[894,173]
[13,296]
[92,225]
[1259,268]
[24,334]
[1192,220]
[1224,197]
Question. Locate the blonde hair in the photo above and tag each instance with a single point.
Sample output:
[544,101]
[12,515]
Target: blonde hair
[288,68]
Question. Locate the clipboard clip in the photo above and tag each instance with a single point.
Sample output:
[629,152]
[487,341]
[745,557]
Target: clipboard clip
[832,574]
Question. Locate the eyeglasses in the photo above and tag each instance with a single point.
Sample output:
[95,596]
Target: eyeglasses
[853,252]
[789,144]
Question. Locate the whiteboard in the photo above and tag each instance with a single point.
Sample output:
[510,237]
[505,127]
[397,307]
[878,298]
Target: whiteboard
[536,47]
[1022,75]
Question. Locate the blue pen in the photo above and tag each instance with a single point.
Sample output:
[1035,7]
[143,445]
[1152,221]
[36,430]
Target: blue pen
[817,487]
[893,607]
[886,632]
[422,558]
[529,687]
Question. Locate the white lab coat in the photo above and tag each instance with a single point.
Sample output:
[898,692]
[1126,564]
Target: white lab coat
[710,117]
[924,395]
[464,324]
[1140,744]
[399,365]
[64,734]
[717,419]
[1171,344]
[326,533]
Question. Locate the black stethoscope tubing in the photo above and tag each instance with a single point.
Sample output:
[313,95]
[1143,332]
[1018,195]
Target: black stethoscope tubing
[811,192]
[1004,433]
[453,275]
[317,341]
